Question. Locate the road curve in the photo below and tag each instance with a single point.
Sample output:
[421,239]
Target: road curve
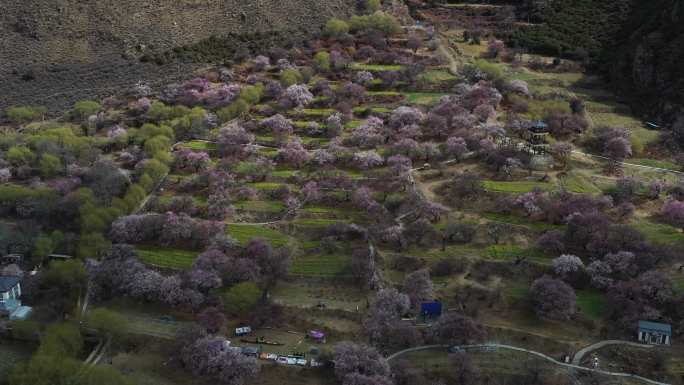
[532,352]
[577,359]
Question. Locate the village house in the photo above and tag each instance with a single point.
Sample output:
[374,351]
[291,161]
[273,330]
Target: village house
[655,333]
[10,292]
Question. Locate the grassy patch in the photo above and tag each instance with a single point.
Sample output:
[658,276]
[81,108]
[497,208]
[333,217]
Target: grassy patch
[375,109]
[267,186]
[579,184]
[342,211]
[423,98]
[472,50]
[265,138]
[375,67]
[245,233]
[678,283]
[384,93]
[654,163]
[538,109]
[512,252]
[11,354]
[519,290]
[268,151]
[317,111]
[315,222]
[659,232]
[520,221]
[199,145]
[592,303]
[560,78]
[437,76]
[167,257]
[261,206]
[353,123]
[284,173]
[322,265]
[516,187]
[623,120]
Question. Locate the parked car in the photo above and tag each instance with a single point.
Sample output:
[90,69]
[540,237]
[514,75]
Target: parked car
[282,360]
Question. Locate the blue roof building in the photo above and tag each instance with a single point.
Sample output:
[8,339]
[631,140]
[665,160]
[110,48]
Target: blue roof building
[655,333]
[10,305]
[431,309]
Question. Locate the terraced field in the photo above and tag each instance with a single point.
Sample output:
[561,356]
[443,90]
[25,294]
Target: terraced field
[167,257]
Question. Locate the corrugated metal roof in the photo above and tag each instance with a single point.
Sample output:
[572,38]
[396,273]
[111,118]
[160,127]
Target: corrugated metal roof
[655,327]
[7,282]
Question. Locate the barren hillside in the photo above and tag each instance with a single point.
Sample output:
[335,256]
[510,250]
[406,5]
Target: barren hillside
[51,49]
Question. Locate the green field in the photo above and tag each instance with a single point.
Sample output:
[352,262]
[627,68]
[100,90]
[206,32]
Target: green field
[512,252]
[660,233]
[374,109]
[518,290]
[384,93]
[322,265]
[654,163]
[315,222]
[516,187]
[437,76]
[520,221]
[167,257]
[243,233]
[592,303]
[284,173]
[200,145]
[317,111]
[267,186]
[579,184]
[261,206]
[375,67]
[423,98]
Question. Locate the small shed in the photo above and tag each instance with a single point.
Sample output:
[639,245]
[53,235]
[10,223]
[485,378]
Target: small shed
[655,333]
[10,259]
[431,309]
[10,304]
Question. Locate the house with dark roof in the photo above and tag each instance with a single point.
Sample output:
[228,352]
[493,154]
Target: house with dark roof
[10,292]
[655,333]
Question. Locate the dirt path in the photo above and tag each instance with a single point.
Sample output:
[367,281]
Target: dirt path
[444,51]
[427,189]
[580,153]
[577,359]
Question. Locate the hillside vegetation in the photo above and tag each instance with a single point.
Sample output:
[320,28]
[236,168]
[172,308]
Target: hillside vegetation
[638,45]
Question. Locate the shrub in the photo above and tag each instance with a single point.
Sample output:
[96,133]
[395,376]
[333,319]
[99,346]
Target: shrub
[235,110]
[322,61]
[336,28]
[290,76]
[483,70]
[252,94]
[378,21]
[242,297]
[24,114]
[85,108]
